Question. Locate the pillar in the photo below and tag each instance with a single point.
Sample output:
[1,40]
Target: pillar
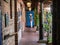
[40,23]
[56,22]
[15,21]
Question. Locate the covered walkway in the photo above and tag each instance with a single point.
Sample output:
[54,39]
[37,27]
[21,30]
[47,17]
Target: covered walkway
[30,38]
[13,22]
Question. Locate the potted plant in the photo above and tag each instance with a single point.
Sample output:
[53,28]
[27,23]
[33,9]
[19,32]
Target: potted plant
[36,19]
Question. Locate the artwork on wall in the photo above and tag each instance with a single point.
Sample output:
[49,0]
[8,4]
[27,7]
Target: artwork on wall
[19,13]
[18,25]
[6,19]
[18,21]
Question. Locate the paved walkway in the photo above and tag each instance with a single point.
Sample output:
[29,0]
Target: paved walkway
[30,38]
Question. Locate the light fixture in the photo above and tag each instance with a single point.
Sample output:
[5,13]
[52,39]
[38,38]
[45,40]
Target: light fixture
[28,4]
[30,9]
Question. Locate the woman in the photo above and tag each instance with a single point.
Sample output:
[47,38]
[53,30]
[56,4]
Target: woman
[31,20]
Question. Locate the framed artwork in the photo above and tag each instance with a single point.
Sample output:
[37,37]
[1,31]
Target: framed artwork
[19,15]
[6,20]
[18,26]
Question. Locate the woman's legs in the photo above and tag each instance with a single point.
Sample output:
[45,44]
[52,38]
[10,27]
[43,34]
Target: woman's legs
[31,24]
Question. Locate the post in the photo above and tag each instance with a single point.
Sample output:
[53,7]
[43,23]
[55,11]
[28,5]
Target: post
[56,22]
[15,21]
[40,23]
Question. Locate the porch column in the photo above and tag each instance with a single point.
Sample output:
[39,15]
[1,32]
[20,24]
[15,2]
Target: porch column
[40,23]
[15,21]
[56,22]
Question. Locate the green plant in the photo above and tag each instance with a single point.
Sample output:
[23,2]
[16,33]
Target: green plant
[46,27]
[36,17]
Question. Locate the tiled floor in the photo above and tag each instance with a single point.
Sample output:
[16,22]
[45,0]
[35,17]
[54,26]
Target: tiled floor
[30,38]
[30,29]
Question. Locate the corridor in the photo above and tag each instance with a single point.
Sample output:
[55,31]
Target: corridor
[30,38]
[16,15]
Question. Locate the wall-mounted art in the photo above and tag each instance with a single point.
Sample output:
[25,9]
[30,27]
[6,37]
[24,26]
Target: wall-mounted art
[19,12]
[6,19]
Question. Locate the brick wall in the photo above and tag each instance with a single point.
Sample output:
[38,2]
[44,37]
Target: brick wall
[23,12]
[22,20]
[10,28]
